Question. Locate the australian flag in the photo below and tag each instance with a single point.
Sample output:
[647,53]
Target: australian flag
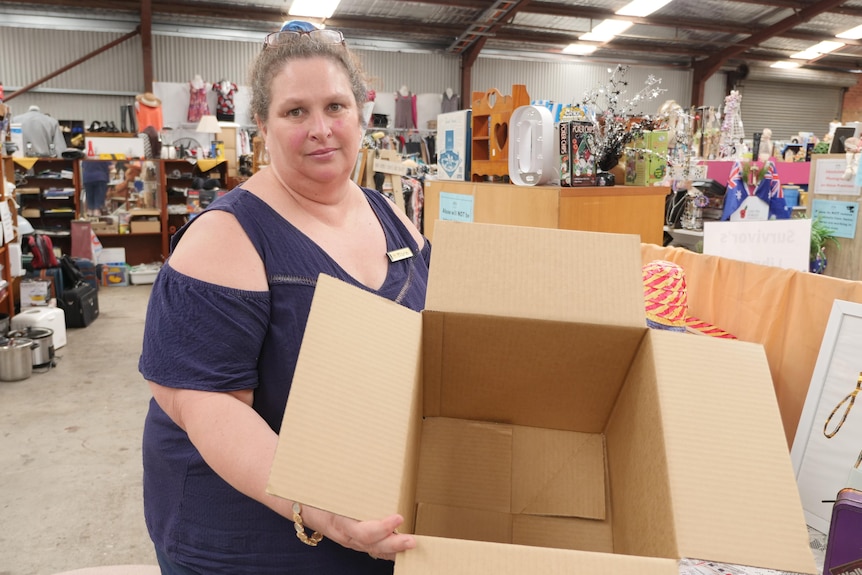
[768,189]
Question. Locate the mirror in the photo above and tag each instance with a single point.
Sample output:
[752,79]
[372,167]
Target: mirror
[109,187]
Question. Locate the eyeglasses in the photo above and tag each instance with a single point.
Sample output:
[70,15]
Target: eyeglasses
[849,401]
[323,36]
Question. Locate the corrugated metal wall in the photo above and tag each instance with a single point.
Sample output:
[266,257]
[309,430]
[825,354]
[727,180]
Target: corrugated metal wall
[567,82]
[96,89]
[810,108]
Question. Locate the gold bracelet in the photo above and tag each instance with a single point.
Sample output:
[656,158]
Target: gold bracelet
[315,538]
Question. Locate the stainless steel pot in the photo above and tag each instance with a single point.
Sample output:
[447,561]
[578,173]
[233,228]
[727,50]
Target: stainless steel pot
[43,339]
[16,358]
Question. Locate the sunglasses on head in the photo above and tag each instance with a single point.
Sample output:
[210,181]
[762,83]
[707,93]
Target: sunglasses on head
[323,36]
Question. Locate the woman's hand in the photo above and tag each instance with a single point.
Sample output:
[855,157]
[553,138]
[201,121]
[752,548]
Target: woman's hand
[377,538]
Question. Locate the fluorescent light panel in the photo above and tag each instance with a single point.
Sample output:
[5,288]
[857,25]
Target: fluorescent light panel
[579,49]
[641,8]
[808,54]
[851,34]
[313,8]
[826,47]
[605,30]
[784,64]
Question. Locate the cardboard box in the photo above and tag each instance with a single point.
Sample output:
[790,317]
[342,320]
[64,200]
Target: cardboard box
[583,153]
[565,151]
[145,221]
[529,405]
[114,274]
[454,139]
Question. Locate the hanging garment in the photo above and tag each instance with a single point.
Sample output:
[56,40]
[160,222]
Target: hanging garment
[450,103]
[405,111]
[198,105]
[225,91]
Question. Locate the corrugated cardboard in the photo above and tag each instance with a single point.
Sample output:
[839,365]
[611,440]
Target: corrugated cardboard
[531,381]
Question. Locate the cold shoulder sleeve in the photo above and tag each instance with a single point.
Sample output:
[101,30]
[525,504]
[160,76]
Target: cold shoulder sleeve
[202,336]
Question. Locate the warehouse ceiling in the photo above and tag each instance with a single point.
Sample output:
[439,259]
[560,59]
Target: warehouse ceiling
[702,35]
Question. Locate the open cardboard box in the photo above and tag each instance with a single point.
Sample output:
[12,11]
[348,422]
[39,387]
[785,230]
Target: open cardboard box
[528,420]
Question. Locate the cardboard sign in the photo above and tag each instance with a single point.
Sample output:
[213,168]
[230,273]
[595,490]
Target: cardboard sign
[840,217]
[456,207]
[779,243]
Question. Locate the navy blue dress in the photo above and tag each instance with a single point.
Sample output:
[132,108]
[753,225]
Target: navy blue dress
[208,337]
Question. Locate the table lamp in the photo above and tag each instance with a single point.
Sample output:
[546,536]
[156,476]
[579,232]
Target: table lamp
[210,125]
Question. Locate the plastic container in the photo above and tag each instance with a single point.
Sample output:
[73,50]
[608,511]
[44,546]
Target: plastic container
[52,318]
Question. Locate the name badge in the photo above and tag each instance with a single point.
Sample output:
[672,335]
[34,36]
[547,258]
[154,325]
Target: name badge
[398,255]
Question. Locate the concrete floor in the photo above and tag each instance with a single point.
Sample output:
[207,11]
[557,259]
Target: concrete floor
[70,450]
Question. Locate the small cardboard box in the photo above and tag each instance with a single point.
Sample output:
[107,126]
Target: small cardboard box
[528,421]
[145,221]
[565,151]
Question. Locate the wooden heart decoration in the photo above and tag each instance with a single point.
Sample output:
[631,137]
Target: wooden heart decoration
[501,134]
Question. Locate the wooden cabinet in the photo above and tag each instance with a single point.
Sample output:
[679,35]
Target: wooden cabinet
[615,209]
[47,191]
[7,298]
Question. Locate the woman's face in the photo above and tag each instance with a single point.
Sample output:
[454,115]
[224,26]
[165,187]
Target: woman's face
[313,132]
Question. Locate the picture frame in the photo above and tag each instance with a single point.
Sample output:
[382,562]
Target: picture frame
[829,434]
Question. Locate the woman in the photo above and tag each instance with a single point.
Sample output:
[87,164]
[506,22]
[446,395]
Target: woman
[226,319]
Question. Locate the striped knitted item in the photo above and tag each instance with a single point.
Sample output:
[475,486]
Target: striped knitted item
[665,296]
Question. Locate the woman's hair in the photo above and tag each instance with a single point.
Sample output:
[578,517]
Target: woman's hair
[273,57]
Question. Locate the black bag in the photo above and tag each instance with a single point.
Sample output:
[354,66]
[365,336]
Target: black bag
[42,249]
[81,305]
[72,275]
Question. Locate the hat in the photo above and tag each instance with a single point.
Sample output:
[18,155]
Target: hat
[148,99]
[666,301]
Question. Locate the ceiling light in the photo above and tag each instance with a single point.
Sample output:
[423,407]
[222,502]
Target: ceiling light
[313,8]
[606,30]
[808,54]
[579,49]
[826,47]
[784,64]
[851,34]
[641,8]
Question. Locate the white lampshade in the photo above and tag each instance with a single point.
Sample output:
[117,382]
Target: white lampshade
[209,125]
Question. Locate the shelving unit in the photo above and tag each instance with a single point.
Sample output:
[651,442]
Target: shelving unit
[177,178]
[48,190]
[7,292]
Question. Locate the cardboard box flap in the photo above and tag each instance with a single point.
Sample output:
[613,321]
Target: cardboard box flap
[465,464]
[537,273]
[350,430]
[548,463]
[435,555]
[734,493]
[548,374]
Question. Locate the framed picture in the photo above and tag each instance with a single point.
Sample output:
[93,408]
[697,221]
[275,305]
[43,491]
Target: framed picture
[828,442]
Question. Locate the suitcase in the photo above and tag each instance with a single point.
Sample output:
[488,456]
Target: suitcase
[81,304]
[843,549]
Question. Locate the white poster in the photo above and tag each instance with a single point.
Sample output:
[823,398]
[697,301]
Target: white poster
[829,178]
[779,243]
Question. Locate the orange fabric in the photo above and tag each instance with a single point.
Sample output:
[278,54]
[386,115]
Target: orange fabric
[148,116]
[786,311]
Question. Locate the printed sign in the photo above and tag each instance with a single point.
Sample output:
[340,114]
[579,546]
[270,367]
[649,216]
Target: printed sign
[779,243]
[840,217]
[829,178]
[456,207]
